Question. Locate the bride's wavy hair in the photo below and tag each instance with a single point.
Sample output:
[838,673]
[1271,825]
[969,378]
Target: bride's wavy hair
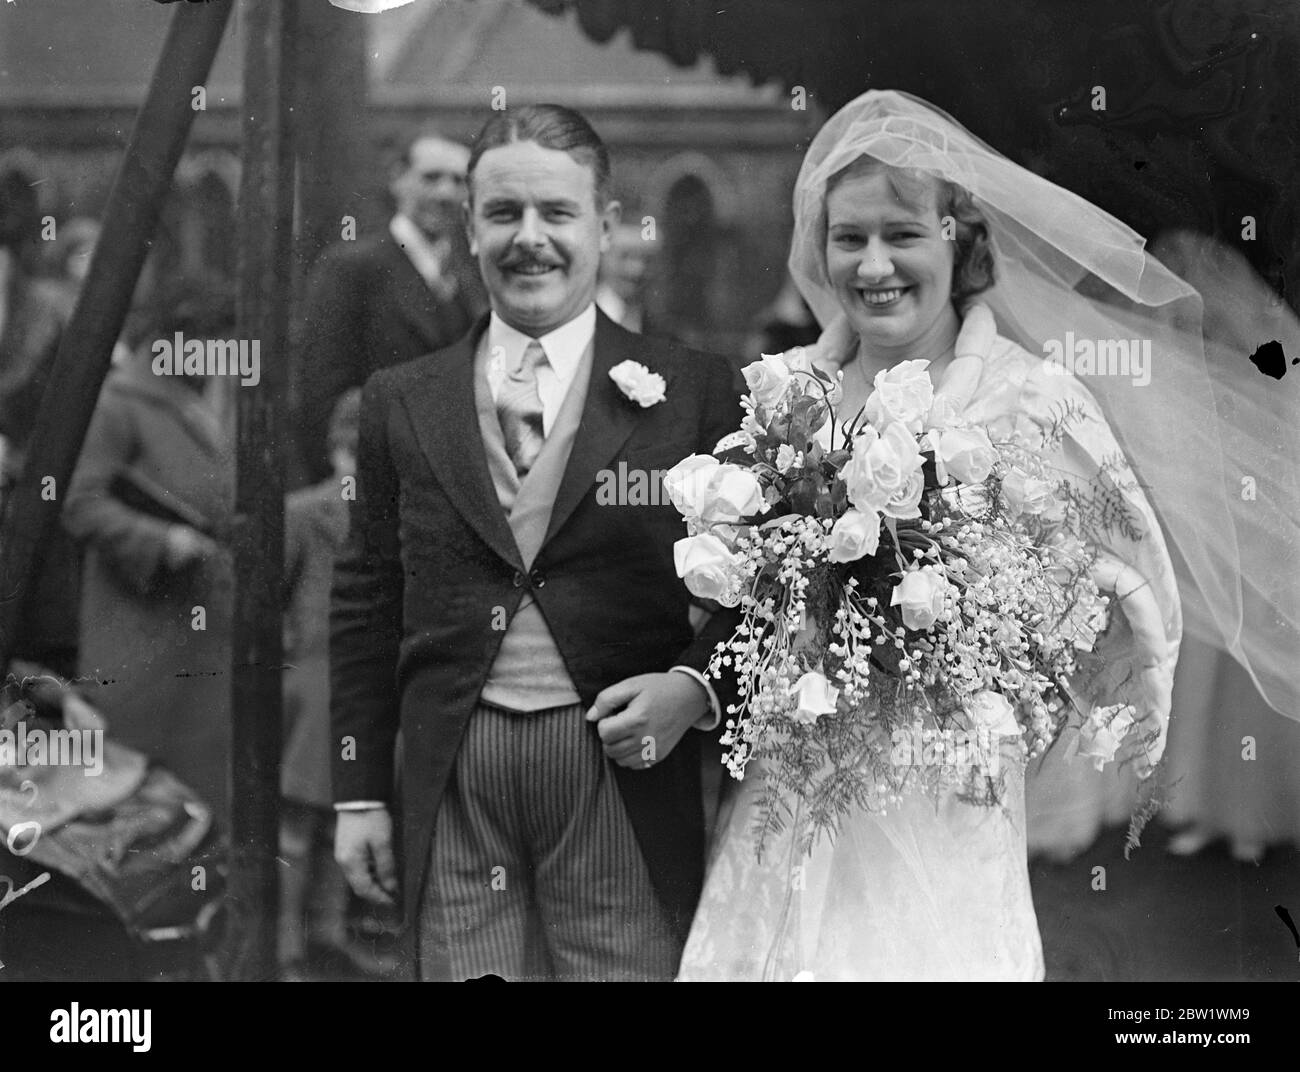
[973,270]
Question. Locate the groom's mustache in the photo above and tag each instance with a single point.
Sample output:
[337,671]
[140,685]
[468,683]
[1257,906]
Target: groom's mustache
[528,261]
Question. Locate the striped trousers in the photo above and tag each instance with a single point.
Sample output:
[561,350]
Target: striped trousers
[535,872]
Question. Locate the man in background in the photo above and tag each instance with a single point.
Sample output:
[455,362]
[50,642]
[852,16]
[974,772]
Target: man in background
[625,272]
[385,299]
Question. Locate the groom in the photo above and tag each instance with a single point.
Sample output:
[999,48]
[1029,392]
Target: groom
[532,644]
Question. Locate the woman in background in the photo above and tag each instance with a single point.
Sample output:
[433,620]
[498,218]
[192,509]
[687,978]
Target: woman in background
[150,500]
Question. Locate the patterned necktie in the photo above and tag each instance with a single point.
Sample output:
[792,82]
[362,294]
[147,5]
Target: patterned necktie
[519,408]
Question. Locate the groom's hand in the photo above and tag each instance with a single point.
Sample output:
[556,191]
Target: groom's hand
[641,719]
[363,847]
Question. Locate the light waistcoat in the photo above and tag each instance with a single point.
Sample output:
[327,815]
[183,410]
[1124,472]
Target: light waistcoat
[528,673]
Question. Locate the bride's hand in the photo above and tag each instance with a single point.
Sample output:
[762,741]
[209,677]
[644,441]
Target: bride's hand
[1145,742]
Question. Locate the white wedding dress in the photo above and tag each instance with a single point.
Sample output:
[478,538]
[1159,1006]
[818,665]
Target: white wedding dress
[936,889]
[931,891]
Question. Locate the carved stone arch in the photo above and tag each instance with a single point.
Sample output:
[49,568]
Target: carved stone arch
[698,211]
[715,180]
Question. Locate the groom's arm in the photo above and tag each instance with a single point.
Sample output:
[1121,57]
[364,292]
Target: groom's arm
[642,719]
[365,638]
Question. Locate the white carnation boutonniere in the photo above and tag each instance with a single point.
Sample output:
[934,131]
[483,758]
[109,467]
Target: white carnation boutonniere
[638,383]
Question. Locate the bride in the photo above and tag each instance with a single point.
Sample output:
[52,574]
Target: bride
[916,241]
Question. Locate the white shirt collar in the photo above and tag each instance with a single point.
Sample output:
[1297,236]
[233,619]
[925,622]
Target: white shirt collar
[611,304]
[564,346]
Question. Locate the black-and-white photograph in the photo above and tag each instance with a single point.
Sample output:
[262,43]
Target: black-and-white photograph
[651,490]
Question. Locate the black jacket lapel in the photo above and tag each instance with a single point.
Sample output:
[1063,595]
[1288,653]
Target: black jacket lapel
[413,299]
[440,404]
[608,419]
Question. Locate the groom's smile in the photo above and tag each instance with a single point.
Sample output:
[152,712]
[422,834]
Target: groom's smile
[538,229]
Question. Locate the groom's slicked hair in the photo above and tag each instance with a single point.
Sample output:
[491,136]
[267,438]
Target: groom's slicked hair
[552,126]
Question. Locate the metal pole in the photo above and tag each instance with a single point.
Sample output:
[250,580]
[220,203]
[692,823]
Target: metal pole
[331,143]
[265,250]
[332,138]
[130,217]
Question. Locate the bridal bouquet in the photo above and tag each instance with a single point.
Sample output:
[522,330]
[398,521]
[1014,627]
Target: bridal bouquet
[914,599]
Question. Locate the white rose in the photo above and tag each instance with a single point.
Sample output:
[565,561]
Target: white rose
[880,466]
[796,359]
[814,697]
[713,493]
[1024,494]
[1101,733]
[706,565]
[943,413]
[994,712]
[732,493]
[638,383]
[767,380]
[920,593]
[854,536]
[903,393]
[785,456]
[687,480]
[906,501]
[967,453]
